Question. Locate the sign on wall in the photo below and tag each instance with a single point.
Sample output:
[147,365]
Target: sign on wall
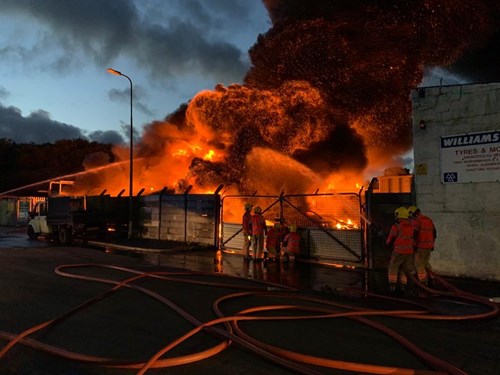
[472,157]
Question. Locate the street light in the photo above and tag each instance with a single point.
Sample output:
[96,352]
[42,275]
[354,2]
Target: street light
[131,177]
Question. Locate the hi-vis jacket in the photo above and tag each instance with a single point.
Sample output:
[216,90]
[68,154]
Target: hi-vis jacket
[402,234]
[258,225]
[273,238]
[246,223]
[426,232]
[292,242]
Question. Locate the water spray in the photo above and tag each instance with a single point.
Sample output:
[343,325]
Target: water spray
[82,173]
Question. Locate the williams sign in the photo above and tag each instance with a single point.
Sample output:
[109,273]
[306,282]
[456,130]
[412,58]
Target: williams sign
[473,157]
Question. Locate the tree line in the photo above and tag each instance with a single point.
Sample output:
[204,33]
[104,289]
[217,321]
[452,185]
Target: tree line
[29,163]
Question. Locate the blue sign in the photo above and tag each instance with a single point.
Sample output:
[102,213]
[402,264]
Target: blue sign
[450,177]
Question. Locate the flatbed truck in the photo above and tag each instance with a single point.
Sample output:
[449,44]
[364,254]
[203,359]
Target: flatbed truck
[64,218]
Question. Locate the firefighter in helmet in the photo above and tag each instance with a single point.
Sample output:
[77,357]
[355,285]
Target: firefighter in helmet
[273,241]
[401,239]
[291,244]
[247,230]
[426,237]
[259,230]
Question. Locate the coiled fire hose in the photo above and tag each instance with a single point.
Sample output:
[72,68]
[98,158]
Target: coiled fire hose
[227,328]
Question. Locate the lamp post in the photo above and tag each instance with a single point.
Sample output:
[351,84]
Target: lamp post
[131,177]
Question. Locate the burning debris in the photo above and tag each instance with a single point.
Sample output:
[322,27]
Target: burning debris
[328,94]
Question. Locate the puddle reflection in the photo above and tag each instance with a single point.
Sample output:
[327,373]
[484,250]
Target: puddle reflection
[298,275]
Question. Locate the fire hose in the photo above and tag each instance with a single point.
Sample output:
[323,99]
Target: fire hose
[227,327]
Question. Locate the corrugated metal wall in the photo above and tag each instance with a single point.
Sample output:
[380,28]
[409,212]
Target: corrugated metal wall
[15,210]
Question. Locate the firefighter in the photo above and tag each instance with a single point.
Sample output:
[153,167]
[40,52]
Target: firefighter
[273,241]
[426,237]
[247,230]
[401,239]
[259,230]
[291,244]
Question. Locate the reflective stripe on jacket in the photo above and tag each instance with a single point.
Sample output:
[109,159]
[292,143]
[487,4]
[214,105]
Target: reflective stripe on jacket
[402,235]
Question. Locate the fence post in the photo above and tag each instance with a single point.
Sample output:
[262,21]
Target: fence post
[282,198]
[217,217]
[186,211]
[160,204]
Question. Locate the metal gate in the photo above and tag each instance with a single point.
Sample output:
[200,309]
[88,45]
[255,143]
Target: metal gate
[330,225]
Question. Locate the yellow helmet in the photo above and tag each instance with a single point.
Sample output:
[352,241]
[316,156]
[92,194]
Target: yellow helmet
[401,213]
[412,210]
[248,206]
[293,228]
[257,209]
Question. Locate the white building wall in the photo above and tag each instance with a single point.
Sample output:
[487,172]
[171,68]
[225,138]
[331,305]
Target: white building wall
[467,215]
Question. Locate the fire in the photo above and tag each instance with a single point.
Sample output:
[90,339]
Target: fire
[324,106]
[346,224]
[182,153]
[195,150]
[209,155]
[347,181]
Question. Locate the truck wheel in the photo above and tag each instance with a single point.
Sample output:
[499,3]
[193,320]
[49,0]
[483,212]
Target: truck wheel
[64,236]
[31,233]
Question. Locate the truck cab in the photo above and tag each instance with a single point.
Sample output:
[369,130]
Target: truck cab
[65,217]
[37,224]
[41,221]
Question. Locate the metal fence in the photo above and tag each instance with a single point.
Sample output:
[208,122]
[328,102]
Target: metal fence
[191,218]
[330,225]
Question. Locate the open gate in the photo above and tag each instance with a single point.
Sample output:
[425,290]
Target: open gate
[330,225]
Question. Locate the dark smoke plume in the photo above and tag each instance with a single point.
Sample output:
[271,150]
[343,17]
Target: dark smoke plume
[365,57]
[329,88]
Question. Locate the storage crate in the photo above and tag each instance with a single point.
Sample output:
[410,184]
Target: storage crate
[395,184]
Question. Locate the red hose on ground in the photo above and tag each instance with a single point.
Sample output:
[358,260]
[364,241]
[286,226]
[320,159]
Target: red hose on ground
[233,334]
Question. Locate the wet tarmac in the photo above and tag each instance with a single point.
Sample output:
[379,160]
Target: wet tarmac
[302,274]
[126,325]
[17,237]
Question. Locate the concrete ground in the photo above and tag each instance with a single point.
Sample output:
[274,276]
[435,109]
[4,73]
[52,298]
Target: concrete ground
[129,325]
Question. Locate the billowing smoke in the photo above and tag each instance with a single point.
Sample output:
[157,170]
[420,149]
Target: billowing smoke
[365,57]
[328,93]
[224,136]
